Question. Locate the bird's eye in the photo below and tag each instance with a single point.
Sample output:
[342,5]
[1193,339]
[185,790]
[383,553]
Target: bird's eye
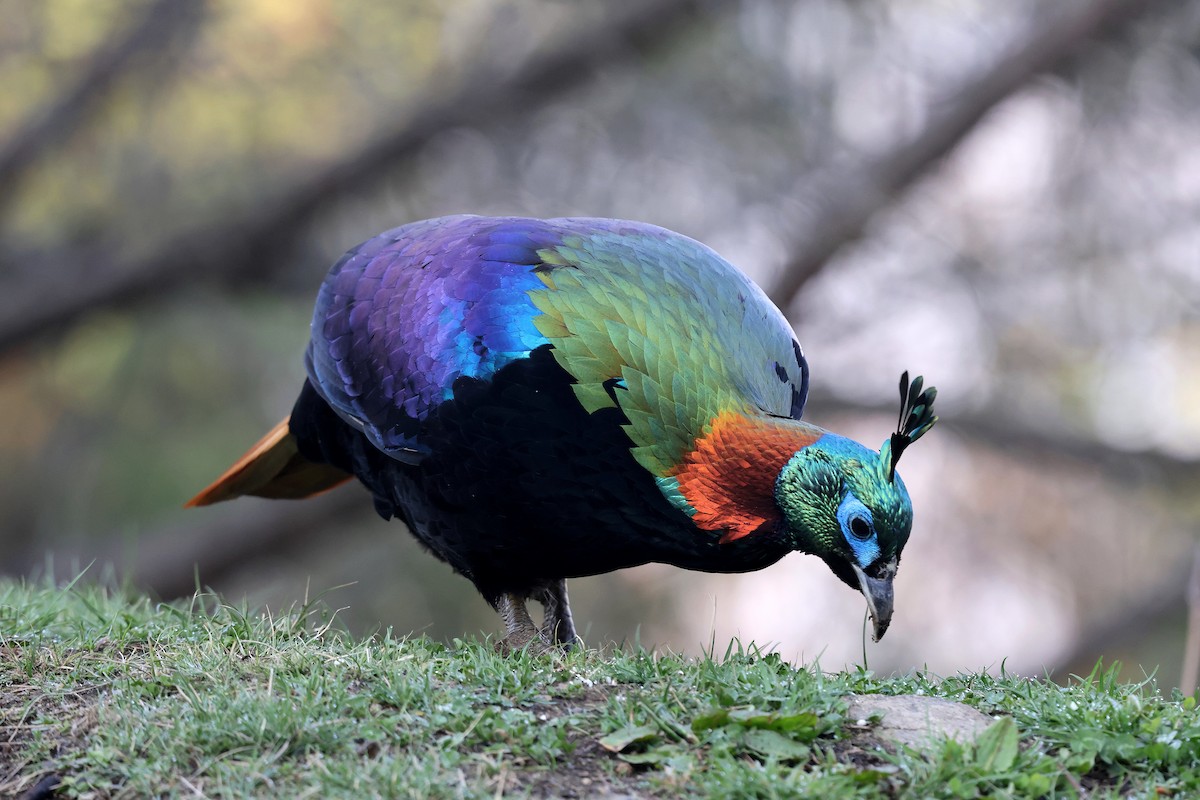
[860,528]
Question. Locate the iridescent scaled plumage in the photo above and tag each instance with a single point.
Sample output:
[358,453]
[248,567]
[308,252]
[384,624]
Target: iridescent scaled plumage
[404,315]
[543,399]
[639,316]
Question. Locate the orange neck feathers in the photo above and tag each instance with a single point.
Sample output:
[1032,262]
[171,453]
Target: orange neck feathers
[729,475]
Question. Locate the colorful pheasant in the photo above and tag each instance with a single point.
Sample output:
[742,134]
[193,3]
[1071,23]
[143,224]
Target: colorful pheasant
[544,399]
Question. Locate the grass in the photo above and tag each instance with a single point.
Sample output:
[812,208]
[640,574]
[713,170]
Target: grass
[124,698]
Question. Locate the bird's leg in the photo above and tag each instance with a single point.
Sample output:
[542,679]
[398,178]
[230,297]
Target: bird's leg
[557,624]
[519,630]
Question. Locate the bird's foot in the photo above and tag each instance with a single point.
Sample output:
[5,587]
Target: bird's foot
[558,626]
[519,631]
[534,643]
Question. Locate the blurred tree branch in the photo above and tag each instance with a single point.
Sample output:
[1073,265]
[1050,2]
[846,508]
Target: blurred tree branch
[165,25]
[841,201]
[241,248]
[1144,467]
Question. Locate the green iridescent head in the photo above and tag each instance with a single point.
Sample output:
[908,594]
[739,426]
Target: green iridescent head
[846,504]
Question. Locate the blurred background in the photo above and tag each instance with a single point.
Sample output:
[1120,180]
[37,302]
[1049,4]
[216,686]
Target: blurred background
[1002,196]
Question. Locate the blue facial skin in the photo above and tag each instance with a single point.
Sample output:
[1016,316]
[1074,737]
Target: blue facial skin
[859,530]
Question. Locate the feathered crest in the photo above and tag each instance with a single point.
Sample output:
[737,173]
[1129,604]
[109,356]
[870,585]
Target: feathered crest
[916,417]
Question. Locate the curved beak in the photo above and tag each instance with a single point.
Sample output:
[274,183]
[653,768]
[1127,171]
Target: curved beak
[878,592]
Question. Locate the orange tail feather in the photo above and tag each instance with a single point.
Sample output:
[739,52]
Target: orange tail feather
[272,468]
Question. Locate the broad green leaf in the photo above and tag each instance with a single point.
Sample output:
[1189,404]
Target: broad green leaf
[874,774]
[711,719]
[996,747]
[772,744]
[617,741]
[804,725]
[656,755]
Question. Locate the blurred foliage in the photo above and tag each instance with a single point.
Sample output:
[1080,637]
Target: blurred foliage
[269,87]
[1046,276]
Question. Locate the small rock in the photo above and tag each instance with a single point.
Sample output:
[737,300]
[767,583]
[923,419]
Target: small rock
[918,721]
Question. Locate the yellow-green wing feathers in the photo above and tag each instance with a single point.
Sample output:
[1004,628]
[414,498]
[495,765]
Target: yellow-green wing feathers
[671,330]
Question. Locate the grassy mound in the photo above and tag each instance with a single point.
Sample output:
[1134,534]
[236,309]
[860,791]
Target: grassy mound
[119,697]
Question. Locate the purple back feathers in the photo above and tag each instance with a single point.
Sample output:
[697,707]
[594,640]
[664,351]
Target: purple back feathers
[405,314]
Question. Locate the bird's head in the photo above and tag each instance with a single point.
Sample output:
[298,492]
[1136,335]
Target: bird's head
[846,503]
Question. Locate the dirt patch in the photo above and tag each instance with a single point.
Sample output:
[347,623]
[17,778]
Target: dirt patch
[588,770]
[39,727]
[862,750]
[574,702]
[61,724]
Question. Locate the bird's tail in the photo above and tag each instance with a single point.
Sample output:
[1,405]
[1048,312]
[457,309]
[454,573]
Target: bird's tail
[272,468]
